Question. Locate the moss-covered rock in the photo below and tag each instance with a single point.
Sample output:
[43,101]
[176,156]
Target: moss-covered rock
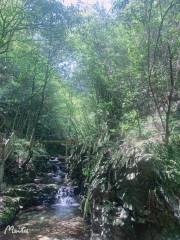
[23,196]
[33,194]
[8,208]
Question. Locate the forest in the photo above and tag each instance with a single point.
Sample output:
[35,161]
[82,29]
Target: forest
[89,120]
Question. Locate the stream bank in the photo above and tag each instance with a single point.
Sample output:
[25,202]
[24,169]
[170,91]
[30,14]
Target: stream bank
[39,211]
[124,197]
[126,194]
[48,223]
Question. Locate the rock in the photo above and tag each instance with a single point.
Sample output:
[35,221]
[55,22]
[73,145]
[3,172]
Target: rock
[57,179]
[54,160]
[33,194]
[61,157]
[28,195]
[8,210]
[37,180]
[95,236]
[76,190]
[50,174]
[128,201]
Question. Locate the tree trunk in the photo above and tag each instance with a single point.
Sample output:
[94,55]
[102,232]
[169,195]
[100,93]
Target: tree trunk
[1,173]
[172,85]
[47,73]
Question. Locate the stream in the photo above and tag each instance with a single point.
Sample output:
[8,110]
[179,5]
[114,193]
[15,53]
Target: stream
[61,220]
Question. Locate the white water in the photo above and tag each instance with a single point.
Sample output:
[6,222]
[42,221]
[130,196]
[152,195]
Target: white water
[66,197]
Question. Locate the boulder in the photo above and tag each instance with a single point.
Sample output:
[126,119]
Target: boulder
[8,209]
[33,194]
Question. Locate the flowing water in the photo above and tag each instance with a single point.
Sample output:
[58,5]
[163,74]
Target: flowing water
[60,221]
[66,197]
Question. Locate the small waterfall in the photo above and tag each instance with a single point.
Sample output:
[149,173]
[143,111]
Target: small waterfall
[66,197]
[58,168]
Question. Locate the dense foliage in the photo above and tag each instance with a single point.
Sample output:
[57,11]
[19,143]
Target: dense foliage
[106,84]
[67,72]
